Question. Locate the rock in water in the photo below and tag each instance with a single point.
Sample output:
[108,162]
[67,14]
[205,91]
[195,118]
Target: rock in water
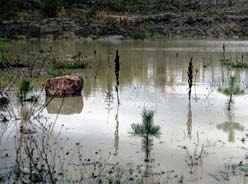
[63,86]
[5,115]
[4,100]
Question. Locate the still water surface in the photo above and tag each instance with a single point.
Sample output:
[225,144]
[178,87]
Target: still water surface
[153,74]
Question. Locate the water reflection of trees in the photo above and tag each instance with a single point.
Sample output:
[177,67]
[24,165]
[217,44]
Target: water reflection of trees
[165,67]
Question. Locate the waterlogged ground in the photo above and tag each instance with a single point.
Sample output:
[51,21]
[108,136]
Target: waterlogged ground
[153,74]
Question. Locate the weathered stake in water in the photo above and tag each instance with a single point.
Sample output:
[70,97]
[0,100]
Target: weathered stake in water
[117,71]
[190,76]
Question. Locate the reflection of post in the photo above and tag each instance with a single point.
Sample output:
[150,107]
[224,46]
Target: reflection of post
[196,72]
[229,102]
[117,131]
[189,120]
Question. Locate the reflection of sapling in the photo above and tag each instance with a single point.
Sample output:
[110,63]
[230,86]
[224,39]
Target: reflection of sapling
[231,90]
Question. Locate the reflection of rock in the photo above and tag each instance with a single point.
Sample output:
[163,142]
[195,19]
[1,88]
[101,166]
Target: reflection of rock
[69,105]
[4,100]
[64,86]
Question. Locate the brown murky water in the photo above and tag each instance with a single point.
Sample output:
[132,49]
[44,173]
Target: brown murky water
[153,74]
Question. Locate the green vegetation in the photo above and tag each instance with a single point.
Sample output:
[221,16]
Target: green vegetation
[50,8]
[8,8]
[57,64]
[2,47]
[147,127]
[53,8]
[231,90]
[146,130]
[24,89]
[55,73]
[234,64]
[73,64]
[43,59]
[92,12]
[227,91]
[2,44]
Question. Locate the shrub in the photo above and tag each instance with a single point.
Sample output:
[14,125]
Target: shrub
[92,12]
[24,89]
[8,8]
[49,8]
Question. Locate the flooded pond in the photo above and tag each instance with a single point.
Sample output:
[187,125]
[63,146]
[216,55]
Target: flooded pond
[201,141]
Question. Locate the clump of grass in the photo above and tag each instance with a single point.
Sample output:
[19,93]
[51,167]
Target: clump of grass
[3,45]
[92,12]
[5,60]
[231,90]
[227,91]
[24,89]
[55,73]
[233,64]
[60,64]
[76,62]
[49,8]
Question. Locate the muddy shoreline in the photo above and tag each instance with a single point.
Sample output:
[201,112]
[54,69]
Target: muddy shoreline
[168,25]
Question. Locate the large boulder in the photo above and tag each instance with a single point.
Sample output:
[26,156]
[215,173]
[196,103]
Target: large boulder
[64,86]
